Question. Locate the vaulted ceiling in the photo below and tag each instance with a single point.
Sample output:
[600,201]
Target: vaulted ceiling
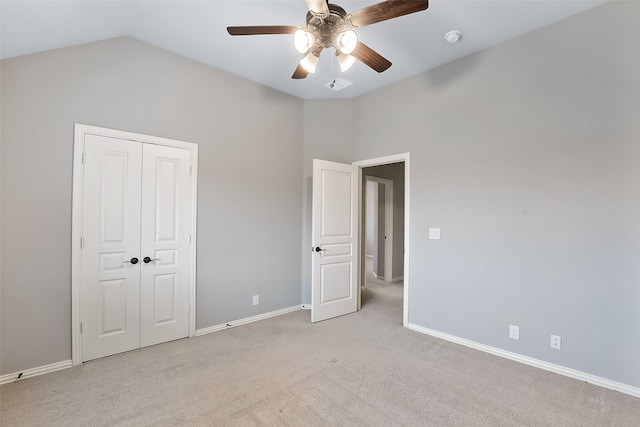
[197,30]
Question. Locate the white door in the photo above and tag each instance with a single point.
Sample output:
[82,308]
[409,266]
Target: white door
[334,287]
[164,313]
[111,230]
[136,237]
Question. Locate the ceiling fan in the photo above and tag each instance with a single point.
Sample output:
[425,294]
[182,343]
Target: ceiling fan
[329,25]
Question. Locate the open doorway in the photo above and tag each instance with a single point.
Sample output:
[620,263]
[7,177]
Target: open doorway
[384,209]
[338,260]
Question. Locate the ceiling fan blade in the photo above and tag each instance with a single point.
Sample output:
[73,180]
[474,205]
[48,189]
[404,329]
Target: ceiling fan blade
[386,10]
[300,73]
[261,29]
[317,6]
[371,58]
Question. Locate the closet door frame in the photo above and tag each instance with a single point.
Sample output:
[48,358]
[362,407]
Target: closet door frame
[77,220]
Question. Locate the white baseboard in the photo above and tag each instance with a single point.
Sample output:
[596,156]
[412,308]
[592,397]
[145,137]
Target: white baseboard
[33,372]
[223,326]
[562,370]
[375,276]
[397,279]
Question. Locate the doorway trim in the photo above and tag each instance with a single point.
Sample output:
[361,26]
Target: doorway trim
[77,220]
[394,158]
[388,224]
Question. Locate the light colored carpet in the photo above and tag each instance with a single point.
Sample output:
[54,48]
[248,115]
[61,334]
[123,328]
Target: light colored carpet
[361,369]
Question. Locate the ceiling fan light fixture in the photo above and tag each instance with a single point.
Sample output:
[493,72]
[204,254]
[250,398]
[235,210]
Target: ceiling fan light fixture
[347,41]
[310,62]
[303,40]
[345,61]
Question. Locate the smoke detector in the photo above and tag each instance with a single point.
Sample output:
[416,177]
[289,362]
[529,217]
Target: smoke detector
[453,36]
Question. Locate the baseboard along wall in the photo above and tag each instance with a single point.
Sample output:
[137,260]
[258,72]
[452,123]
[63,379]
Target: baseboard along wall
[223,326]
[562,370]
[33,372]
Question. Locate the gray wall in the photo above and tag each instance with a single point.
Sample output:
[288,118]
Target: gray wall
[249,181]
[394,172]
[527,156]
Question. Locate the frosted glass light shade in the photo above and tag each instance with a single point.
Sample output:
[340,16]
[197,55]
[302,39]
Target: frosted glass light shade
[310,62]
[345,61]
[303,40]
[347,41]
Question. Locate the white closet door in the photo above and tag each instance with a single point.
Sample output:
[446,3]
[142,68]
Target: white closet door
[111,233]
[165,244]
[136,229]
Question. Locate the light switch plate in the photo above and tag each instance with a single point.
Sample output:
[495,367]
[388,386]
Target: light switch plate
[434,234]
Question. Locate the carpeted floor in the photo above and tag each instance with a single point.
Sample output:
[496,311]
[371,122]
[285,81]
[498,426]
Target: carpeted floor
[362,369]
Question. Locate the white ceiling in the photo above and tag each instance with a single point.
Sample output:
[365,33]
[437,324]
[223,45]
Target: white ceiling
[197,30]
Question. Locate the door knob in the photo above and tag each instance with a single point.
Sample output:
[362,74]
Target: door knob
[147,260]
[319,249]
[133,260]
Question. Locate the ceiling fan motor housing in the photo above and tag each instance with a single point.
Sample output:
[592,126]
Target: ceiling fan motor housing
[326,27]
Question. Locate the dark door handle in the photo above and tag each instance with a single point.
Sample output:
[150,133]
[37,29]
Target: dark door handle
[133,260]
[147,260]
[319,249]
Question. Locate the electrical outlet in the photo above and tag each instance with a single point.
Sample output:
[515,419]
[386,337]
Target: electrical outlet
[256,299]
[556,341]
[514,332]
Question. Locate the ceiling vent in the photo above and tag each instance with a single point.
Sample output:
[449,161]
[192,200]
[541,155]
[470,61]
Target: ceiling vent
[338,84]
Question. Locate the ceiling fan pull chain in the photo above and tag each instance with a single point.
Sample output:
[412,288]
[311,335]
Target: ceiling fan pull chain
[333,67]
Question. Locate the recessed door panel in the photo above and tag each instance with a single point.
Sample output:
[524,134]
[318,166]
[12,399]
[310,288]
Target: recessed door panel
[113,220]
[113,307]
[336,250]
[112,261]
[166,258]
[166,199]
[165,299]
[336,203]
[335,280]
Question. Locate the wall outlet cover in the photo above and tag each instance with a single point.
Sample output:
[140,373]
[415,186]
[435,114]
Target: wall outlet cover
[514,332]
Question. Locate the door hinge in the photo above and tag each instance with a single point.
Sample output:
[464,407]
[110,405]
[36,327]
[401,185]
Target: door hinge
[84,158]
[82,243]
[190,240]
[190,170]
[82,327]
[189,309]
